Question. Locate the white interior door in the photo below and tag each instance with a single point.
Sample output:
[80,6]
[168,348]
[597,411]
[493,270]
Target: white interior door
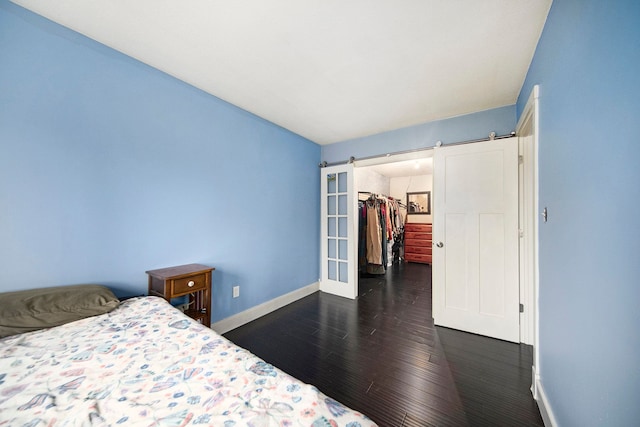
[338,232]
[475,235]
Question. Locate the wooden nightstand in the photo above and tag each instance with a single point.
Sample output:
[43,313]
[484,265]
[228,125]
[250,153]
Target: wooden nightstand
[191,279]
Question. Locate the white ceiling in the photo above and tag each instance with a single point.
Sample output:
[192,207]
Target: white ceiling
[403,168]
[328,70]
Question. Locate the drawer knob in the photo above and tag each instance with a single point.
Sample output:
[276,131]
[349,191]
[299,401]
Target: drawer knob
[191,283]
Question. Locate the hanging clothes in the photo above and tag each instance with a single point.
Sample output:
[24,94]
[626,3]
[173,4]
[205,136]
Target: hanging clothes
[382,211]
[374,234]
[397,223]
[380,228]
[397,219]
[362,236]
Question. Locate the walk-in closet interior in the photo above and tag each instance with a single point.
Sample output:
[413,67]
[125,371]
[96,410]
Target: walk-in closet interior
[395,210]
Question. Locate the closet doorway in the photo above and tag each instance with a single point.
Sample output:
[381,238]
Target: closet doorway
[381,175]
[403,185]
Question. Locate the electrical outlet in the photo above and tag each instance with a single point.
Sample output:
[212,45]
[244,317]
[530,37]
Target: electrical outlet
[236,291]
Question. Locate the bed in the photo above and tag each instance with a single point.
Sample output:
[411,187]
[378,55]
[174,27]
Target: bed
[146,363]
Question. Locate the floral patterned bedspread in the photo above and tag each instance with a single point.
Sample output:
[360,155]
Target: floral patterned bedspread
[146,363]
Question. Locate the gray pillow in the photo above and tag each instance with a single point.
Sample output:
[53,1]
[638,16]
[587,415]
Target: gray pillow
[34,309]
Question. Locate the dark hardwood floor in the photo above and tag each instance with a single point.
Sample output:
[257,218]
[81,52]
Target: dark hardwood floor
[382,355]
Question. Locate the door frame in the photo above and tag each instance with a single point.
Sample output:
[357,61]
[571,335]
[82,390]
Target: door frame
[421,153]
[528,131]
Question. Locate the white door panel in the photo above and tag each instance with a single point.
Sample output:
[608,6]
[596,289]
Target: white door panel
[475,271]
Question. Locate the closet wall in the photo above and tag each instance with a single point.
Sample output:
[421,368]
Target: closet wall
[400,186]
[368,180]
[371,181]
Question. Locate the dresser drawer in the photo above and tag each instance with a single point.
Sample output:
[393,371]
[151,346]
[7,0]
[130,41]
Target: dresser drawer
[423,228]
[424,250]
[415,235]
[189,284]
[425,259]
[416,242]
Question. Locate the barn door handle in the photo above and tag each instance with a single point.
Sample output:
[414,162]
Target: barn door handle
[439,244]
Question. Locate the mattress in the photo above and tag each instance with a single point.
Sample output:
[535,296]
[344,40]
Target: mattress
[146,363]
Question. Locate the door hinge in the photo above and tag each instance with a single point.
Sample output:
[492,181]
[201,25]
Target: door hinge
[521,159]
[520,232]
[521,308]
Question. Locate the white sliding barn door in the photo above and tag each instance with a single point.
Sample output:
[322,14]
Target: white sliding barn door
[475,238]
[338,263]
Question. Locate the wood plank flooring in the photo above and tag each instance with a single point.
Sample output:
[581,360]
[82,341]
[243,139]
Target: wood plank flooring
[382,355]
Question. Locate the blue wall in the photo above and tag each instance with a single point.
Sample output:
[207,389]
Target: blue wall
[588,66]
[109,168]
[478,125]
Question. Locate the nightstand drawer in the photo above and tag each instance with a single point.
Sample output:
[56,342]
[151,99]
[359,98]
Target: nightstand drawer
[189,284]
[190,279]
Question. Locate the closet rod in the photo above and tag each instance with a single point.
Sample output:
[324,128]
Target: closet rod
[491,137]
[402,205]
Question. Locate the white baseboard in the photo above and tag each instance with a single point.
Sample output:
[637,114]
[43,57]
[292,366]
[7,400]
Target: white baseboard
[237,320]
[543,403]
